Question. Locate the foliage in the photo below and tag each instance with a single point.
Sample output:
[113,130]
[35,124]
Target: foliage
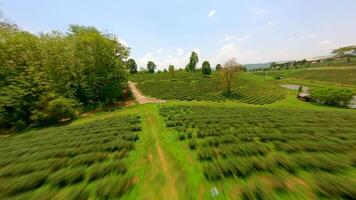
[53,160]
[131,66]
[192,86]
[171,70]
[193,61]
[57,70]
[206,70]
[331,96]
[228,74]
[218,67]
[113,187]
[151,66]
[345,52]
[245,142]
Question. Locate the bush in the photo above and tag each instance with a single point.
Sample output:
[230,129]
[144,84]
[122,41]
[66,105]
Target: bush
[101,170]
[67,176]
[335,186]
[331,96]
[24,183]
[61,108]
[113,187]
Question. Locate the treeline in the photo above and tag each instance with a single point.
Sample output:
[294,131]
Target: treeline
[50,77]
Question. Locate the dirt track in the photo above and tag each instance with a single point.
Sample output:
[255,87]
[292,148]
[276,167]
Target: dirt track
[140,98]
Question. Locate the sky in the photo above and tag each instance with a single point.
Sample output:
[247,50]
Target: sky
[166,31]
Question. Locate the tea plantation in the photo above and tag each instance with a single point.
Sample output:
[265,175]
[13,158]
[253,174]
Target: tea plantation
[339,76]
[71,162]
[193,86]
[293,153]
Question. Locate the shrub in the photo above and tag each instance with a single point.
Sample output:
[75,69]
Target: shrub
[87,159]
[101,170]
[113,187]
[24,183]
[67,176]
[335,186]
[331,96]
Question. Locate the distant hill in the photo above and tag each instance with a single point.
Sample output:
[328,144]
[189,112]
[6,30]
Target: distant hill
[257,66]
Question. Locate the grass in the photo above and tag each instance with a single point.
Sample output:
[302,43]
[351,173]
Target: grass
[193,86]
[342,77]
[247,149]
[239,143]
[56,158]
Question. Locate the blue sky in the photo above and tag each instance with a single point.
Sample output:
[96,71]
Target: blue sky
[166,31]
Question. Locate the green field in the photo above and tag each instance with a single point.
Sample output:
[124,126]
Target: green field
[265,149]
[62,162]
[268,145]
[334,75]
[193,86]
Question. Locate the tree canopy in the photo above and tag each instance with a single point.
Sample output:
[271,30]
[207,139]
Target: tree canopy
[206,70]
[151,66]
[131,66]
[44,77]
[193,61]
[345,52]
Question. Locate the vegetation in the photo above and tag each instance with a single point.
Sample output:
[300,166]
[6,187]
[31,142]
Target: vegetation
[171,71]
[131,65]
[228,74]
[205,69]
[56,159]
[192,86]
[193,61]
[44,78]
[240,143]
[331,96]
[151,66]
[345,52]
[218,67]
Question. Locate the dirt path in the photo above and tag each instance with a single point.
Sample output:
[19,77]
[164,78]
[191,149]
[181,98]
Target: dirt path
[169,187]
[141,99]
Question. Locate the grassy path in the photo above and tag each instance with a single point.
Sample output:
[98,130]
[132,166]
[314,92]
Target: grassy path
[163,167]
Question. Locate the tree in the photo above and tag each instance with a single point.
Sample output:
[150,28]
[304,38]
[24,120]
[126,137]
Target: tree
[131,66]
[205,69]
[345,52]
[228,73]
[151,66]
[171,70]
[44,77]
[218,67]
[193,61]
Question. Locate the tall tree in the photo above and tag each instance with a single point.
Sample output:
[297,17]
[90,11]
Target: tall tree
[218,67]
[229,73]
[205,69]
[131,66]
[193,61]
[151,66]
[171,70]
[345,52]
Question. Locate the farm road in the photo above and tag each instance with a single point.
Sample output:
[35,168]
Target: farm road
[140,98]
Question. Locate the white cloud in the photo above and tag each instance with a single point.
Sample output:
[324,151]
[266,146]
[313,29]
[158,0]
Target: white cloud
[232,51]
[162,61]
[291,40]
[258,11]
[160,50]
[212,13]
[180,51]
[325,43]
[270,23]
[237,38]
[310,36]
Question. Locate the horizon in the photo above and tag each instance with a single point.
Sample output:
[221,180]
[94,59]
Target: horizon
[166,32]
